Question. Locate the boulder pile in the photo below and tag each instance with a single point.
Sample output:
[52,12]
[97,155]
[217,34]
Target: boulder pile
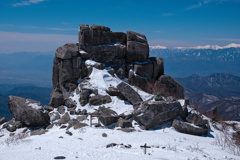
[123,57]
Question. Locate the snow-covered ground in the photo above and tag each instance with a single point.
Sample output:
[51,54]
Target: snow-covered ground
[88,143]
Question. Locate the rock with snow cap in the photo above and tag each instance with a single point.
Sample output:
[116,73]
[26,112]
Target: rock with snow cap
[28,111]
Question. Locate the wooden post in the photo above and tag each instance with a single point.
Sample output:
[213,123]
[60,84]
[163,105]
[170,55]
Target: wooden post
[145,148]
[90,120]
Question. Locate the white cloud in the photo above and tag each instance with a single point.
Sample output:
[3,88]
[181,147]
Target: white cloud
[27,2]
[195,6]
[26,42]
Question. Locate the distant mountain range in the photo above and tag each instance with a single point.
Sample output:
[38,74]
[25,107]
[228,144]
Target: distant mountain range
[203,62]
[217,90]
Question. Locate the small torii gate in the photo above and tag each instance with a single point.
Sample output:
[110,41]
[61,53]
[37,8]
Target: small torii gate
[145,148]
[92,115]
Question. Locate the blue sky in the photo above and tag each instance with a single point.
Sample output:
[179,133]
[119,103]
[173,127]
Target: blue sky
[43,25]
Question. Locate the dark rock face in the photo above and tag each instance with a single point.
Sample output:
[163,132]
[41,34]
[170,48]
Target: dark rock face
[150,114]
[130,94]
[141,82]
[107,116]
[137,47]
[65,119]
[185,127]
[124,123]
[168,86]
[102,43]
[112,91]
[28,111]
[2,120]
[84,96]
[196,119]
[99,100]
[144,70]
[61,109]
[66,71]
[158,67]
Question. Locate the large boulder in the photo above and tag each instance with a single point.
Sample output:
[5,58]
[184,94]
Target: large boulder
[137,47]
[152,113]
[168,86]
[129,93]
[112,91]
[188,128]
[107,116]
[28,111]
[99,100]
[123,123]
[84,96]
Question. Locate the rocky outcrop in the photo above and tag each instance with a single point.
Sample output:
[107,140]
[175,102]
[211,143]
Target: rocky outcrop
[66,72]
[152,113]
[188,128]
[124,123]
[130,94]
[27,111]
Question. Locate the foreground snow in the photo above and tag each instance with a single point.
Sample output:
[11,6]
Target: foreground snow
[87,143]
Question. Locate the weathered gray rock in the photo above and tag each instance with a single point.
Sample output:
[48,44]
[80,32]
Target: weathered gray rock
[134,36]
[130,94]
[196,119]
[112,91]
[67,51]
[61,109]
[2,120]
[70,103]
[64,119]
[107,116]
[81,118]
[150,114]
[75,124]
[144,69]
[54,116]
[28,111]
[158,67]
[84,96]
[38,132]
[140,82]
[124,123]
[168,86]
[56,98]
[12,125]
[48,108]
[66,72]
[84,27]
[90,64]
[158,98]
[188,128]
[137,47]
[99,100]
[137,52]
[185,112]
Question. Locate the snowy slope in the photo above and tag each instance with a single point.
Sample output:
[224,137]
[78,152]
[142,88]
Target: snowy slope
[88,143]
